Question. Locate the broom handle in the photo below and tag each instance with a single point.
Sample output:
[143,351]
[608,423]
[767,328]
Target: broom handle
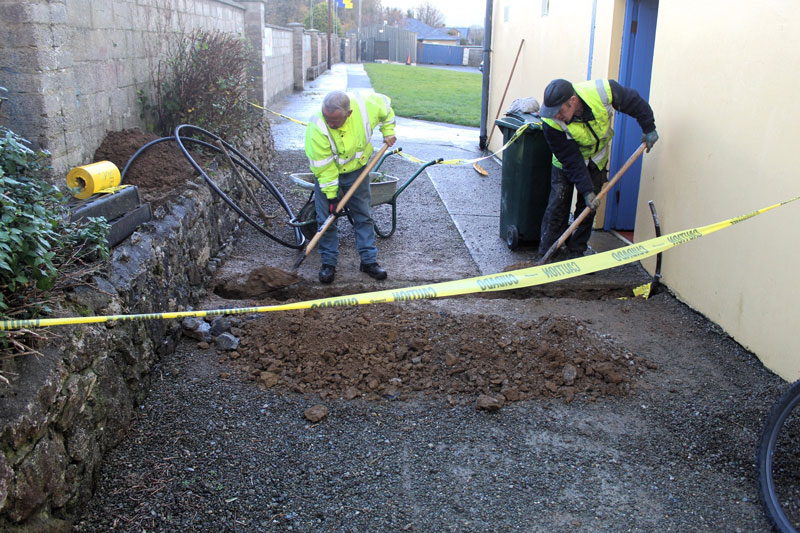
[503,99]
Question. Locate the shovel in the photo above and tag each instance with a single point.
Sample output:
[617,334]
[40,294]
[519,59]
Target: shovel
[571,229]
[328,221]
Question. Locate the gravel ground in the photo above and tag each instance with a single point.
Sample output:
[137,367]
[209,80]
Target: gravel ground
[215,449]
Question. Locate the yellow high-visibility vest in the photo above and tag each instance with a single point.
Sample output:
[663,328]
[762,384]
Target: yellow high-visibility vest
[593,137]
[331,152]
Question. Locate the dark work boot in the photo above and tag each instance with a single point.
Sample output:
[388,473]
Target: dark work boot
[374,270]
[327,273]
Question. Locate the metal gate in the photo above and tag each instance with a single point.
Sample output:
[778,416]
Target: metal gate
[381,49]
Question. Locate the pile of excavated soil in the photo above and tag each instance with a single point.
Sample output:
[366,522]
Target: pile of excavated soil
[160,172]
[393,353]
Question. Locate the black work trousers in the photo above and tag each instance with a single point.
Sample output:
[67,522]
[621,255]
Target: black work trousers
[556,217]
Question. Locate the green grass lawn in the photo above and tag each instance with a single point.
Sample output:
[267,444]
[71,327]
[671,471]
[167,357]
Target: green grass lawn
[429,93]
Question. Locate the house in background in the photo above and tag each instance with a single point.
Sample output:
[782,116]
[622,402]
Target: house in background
[428,34]
[719,85]
[440,46]
[470,36]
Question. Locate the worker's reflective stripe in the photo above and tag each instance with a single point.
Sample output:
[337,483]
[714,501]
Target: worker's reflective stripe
[342,162]
[564,127]
[319,163]
[388,109]
[334,183]
[601,90]
[600,156]
[320,123]
[362,108]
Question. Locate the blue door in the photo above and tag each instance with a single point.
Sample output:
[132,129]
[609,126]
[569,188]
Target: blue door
[635,67]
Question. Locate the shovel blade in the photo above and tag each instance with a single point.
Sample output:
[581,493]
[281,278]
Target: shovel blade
[301,256]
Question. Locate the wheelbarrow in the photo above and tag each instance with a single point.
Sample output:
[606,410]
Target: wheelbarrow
[383,190]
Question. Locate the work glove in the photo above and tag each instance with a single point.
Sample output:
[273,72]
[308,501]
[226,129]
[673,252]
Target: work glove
[649,139]
[591,200]
[333,203]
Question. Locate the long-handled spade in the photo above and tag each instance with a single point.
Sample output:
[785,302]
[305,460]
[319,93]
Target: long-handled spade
[328,221]
[571,229]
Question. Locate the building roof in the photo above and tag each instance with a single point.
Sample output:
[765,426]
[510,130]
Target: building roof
[463,32]
[425,32]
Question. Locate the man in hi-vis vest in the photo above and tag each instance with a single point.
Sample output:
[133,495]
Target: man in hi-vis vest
[577,126]
[338,147]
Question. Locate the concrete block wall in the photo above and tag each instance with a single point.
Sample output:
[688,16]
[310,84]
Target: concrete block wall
[279,77]
[73,68]
[77,69]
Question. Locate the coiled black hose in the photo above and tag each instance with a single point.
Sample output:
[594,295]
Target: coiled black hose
[239,159]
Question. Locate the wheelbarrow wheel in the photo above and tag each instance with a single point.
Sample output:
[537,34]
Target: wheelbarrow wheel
[308,220]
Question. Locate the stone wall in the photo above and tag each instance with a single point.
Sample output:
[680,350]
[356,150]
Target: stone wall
[65,409]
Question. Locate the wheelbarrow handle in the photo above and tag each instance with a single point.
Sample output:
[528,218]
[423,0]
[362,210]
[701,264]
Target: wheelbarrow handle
[414,176]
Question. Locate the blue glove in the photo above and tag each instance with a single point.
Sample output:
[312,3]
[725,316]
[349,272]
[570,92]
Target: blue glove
[649,139]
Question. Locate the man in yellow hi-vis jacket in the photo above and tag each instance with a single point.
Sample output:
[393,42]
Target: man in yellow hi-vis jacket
[577,127]
[338,147]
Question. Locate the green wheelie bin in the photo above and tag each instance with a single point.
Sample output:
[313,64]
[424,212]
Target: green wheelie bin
[525,185]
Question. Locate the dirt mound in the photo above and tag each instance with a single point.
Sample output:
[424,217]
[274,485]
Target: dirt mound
[161,172]
[260,281]
[392,352]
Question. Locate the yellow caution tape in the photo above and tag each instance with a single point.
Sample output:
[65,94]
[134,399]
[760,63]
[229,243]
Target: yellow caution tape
[112,190]
[415,159]
[643,291]
[517,279]
[276,113]
[513,138]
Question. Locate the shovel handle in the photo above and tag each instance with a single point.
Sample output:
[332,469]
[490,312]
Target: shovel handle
[571,229]
[345,198]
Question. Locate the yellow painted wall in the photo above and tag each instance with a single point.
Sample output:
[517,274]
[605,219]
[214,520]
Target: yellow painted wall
[724,95]
[554,48]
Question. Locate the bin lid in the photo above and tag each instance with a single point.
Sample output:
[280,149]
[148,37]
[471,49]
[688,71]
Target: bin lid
[515,120]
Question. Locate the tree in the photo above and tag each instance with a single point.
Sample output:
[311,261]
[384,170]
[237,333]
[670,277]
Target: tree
[320,13]
[427,13]
[392,16]
[282,12]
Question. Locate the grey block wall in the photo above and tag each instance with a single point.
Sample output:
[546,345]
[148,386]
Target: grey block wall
[77,69]
[73,68]
[279,79]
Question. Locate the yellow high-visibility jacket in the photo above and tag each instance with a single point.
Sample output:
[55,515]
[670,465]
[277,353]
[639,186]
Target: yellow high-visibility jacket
[331,152]
[593,137]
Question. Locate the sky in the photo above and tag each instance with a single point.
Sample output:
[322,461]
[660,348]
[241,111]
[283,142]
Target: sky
[457,13]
